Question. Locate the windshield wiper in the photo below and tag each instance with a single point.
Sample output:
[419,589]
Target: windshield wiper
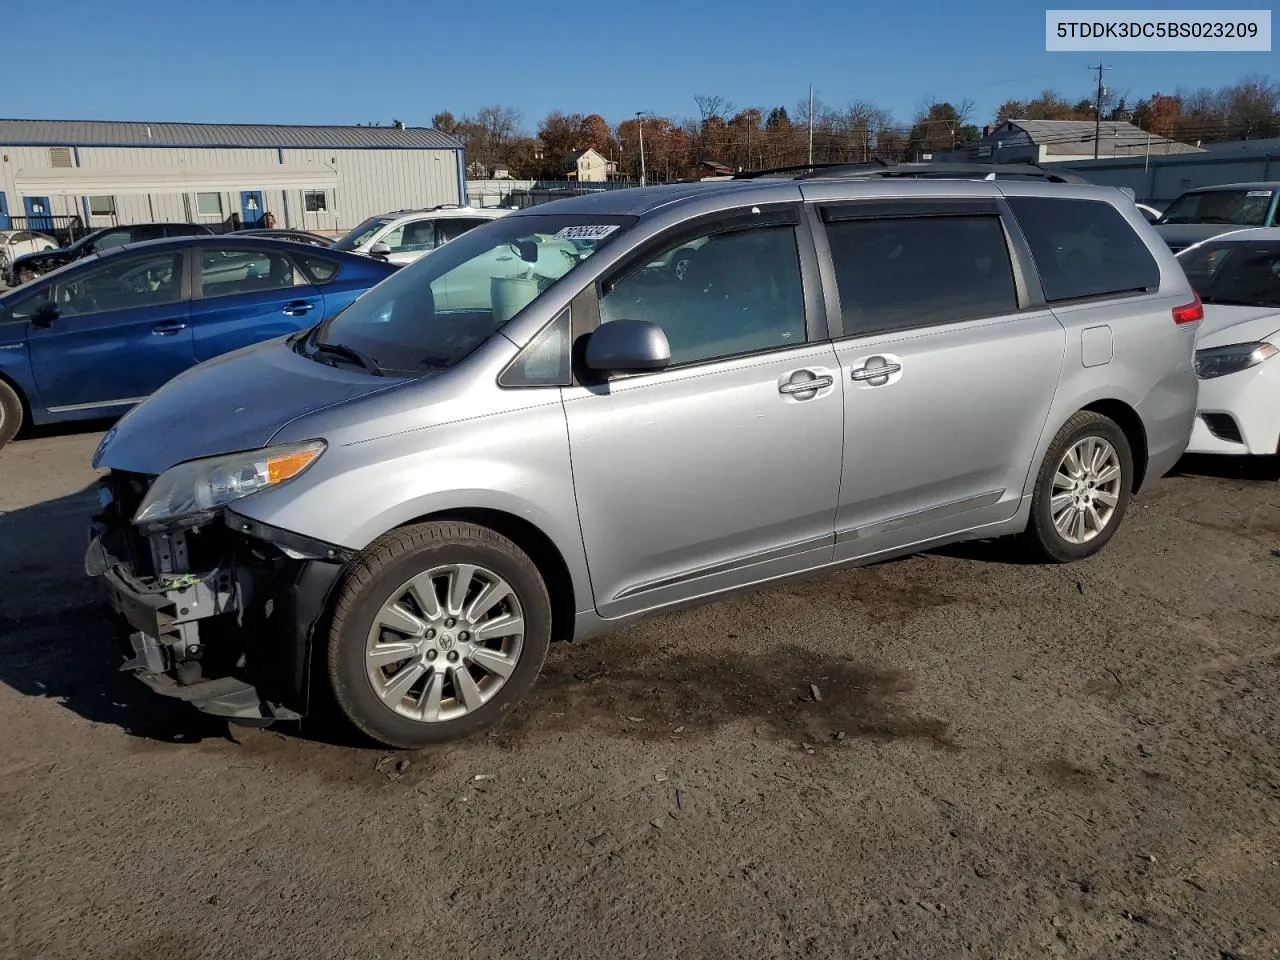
[350,353]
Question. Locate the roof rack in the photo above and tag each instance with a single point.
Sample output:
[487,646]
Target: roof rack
[927,169]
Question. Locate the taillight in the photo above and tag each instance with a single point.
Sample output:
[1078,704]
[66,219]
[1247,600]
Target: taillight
[1189,312]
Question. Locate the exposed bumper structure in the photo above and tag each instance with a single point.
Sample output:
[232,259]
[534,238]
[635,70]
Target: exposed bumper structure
[219,613]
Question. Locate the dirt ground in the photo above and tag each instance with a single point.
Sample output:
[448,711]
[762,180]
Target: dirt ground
[1005,761]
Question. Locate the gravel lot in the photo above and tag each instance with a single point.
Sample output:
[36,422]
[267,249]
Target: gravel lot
[1005,761]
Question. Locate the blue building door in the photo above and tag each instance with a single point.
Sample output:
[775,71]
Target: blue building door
[250,207]
[38,209]
[4,212]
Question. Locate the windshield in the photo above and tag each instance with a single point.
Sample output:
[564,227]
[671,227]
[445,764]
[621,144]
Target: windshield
[1248,208]
[1240,273]
[353,238]
[435,312]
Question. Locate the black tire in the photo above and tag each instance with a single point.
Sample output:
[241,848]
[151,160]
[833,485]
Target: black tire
[1042,540]
[10,413]
[394,559]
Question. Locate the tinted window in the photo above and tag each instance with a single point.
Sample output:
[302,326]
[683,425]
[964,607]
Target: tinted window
[1241,274]
[895,274]
[740,292]
[113,238]
[318,269]
[450,229]
[229,271]
[1248,208]
[122,283]
[1084,248]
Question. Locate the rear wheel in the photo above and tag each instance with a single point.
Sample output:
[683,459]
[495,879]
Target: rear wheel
[10,413]
[1082,490]
[437,630]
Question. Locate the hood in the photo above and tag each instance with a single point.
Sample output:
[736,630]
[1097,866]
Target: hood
[57,255]
[1223,325]
[237,401]
[1180,235]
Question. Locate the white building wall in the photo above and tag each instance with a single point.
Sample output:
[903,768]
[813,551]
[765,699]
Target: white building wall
[369,182]
[372,182]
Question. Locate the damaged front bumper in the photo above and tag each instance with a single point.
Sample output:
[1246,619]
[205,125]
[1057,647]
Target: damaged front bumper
[219,610]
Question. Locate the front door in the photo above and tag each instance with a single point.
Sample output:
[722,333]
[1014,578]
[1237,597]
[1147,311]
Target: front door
[120,333]
[948,371]
[4,212]
[251,208]
[247,295]
[724,468]
[39,213]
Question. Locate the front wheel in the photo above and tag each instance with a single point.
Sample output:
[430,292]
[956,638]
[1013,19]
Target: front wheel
[438,629]
[1081,491]
[10,413]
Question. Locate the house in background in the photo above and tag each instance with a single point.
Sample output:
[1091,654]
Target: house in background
[589,166]
[1056,141]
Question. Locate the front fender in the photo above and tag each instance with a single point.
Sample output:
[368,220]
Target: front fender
[516,462]
[15,367]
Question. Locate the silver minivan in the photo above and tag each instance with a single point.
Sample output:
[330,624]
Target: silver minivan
[682,391]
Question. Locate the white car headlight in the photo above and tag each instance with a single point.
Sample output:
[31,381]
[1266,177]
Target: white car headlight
[198,486]
[1220,361]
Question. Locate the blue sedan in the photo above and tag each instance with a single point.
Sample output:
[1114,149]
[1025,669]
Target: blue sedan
[99,335]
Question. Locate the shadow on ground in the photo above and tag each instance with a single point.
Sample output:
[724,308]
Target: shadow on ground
[58,641]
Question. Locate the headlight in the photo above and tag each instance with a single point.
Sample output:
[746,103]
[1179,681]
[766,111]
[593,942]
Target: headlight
[201,485]
[1220,361]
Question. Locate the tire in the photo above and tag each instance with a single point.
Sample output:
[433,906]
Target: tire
[1044,539]
[404,568]
[10,413]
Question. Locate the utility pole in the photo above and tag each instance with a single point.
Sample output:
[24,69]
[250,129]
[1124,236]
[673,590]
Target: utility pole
[811,124]
[640,121]
[1097,108]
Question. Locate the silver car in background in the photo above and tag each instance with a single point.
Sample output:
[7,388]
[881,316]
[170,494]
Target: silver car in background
[409,501]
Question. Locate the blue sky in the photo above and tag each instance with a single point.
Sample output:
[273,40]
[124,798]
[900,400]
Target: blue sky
[347,61]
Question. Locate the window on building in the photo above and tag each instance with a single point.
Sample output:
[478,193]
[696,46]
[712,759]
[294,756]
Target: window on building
[314,201]
[740,292]
[102,206]
[1084,248]
[229,271]
[900,273]
[209,204]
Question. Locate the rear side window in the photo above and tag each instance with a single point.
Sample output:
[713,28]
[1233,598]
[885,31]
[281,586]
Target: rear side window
[900,273]
[317,269]
[1084,248]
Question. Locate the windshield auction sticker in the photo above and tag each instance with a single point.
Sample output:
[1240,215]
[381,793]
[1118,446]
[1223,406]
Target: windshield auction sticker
[589,232]
[1158,30]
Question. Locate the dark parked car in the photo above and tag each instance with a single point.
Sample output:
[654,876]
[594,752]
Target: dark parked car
[93,338]
[285,233]
[1209,211]
[33,265]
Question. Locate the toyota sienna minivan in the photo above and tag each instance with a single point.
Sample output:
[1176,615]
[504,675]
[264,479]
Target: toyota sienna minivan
[543,431]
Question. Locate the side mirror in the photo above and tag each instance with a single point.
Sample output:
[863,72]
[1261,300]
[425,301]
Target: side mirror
[380,249]
[45,315]
[627,346]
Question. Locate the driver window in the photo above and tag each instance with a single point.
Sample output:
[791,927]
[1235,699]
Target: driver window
[113,239]
[26,308]
[718,295]
[126,283]
[412,237]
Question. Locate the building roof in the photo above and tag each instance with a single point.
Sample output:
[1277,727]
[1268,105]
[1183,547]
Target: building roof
[117,133]
[1072,137]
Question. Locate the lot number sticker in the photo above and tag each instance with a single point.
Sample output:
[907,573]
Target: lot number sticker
[591,232]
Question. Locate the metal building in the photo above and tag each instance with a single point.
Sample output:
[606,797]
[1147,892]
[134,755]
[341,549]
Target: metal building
[1160,179]
[325,179]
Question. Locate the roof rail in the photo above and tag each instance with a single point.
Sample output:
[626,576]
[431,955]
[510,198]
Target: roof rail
[927,169]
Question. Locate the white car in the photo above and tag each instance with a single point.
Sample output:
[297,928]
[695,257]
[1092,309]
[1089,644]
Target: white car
[406,235]
[1237,276]
[18,243]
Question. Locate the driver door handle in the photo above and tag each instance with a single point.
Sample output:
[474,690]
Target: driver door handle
[167,328]
[298,308]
